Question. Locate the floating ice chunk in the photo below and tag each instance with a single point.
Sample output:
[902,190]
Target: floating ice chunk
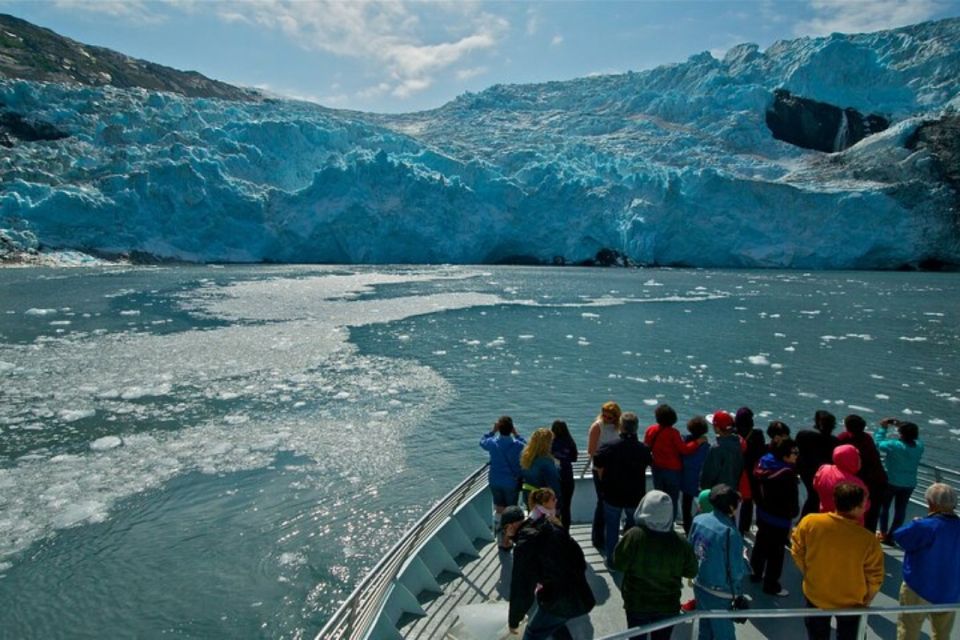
[105,443]
[779,335]
[650,402]
[881,396]
[137,392]
[648,322]
[514,372]
[291,559]
[583,343]
[525,336]
[877,376]
[815,312]
[759,359]
[589,315]
[79,513]
[474,343]
[237,418]
[60,323]
[33,311]
[939,422]
[130,312]
[343,395]
[403,337]
[72,415]
[439,352]
[934,314]
[776,365]
[791,349]
[913,338]
[856,407]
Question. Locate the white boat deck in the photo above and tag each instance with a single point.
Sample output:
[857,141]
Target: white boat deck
[485,581]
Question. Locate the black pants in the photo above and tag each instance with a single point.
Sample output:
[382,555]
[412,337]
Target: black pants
[686,507]
[640,619]
[872,516]
[812,504]
[746,516]
[818,628]
[768,553]
[599,522]
[566,497]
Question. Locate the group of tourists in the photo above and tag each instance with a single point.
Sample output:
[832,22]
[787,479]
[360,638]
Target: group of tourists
[718,488]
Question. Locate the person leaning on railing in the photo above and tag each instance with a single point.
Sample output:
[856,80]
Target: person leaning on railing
[931,565]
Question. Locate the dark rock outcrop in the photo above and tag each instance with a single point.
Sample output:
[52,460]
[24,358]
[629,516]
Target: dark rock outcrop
[14,125]
[29,52]
[607,258]
[818,125]
[942,138]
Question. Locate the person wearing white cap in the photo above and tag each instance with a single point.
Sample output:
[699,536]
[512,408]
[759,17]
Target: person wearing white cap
[654,559]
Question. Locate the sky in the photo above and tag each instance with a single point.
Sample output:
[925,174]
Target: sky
[403,55]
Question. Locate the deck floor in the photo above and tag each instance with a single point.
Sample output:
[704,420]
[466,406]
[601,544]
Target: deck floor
[484,587]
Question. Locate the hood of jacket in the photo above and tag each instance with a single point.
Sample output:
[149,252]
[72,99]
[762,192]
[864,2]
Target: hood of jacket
[847,458]
[769,466]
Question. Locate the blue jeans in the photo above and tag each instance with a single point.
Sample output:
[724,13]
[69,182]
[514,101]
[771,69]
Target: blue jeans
[668,481]
[611,519]
[899,496]
[714,629]
[545,625]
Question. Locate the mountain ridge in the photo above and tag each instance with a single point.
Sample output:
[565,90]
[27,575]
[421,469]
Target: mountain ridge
[31,52]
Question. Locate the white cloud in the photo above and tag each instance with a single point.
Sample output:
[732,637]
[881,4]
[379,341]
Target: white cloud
[133,11]
[860,16]
[466,74]
[533,22]
[556,41]
[391,35]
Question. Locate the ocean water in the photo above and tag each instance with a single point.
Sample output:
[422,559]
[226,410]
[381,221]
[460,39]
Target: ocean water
[223,452]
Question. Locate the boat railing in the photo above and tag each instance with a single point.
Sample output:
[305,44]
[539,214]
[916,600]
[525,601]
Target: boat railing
[356,617]
[927,474]
[696,618]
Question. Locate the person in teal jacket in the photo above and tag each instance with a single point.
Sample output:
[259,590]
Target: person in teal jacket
[902,460]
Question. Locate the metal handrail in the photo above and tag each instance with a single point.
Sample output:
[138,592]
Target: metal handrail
[357,615]
[695,617]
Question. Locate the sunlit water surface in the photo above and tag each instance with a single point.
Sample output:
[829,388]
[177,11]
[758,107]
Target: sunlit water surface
[223,452]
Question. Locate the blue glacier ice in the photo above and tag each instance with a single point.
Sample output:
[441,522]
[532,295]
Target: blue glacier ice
[671,166]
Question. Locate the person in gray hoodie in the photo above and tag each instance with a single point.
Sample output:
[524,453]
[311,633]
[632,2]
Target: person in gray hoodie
[654,559]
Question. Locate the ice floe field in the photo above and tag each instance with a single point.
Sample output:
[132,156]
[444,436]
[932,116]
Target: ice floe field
[223,452]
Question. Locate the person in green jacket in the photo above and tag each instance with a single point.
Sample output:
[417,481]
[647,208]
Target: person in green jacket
[903,455]
[654,559]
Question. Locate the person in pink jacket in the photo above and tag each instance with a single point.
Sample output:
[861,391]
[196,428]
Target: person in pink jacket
[846,464]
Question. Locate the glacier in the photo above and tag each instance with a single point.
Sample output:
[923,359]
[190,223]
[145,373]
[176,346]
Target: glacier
[671,166]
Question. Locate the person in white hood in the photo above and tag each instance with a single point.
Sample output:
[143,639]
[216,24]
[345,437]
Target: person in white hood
[654,559]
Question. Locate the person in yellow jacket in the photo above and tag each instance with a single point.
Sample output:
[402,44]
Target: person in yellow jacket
[841,562]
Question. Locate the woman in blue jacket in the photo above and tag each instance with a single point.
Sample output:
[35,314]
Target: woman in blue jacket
[505,446]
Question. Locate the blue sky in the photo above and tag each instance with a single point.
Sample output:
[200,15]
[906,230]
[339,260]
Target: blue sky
[398,55]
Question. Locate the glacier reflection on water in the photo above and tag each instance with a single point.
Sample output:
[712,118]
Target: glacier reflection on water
[224,451]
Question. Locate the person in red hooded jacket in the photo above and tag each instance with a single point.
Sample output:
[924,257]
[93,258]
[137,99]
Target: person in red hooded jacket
[846,464]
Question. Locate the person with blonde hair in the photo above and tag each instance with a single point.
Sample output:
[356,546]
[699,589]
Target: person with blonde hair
[604,430]
[537,465]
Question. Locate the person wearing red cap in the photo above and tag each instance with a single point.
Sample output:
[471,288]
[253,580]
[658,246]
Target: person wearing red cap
[724,462]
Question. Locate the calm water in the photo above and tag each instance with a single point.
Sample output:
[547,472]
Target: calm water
[223,452]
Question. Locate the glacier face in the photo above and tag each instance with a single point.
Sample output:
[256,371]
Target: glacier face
[669,166]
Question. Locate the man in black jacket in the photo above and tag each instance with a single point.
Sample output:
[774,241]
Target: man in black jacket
[622,466]
[816,449]
[545,554]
